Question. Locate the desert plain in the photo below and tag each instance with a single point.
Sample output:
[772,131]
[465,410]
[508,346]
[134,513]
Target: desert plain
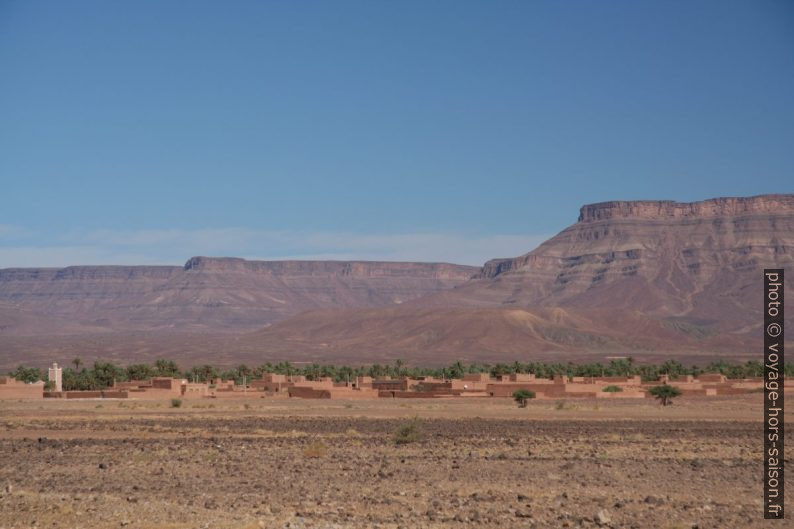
[292,463]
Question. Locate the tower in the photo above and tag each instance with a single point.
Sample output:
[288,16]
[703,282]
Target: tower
[55,374]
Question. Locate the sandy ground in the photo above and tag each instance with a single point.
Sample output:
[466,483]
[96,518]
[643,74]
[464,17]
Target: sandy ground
[335,464]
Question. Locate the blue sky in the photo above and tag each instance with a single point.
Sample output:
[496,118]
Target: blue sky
[149,131]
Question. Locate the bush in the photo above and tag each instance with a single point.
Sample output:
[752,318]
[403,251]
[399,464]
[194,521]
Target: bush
[352,432]
[176,403]
[409,432]
[665,393]
[521,396]
[612,389]
[27,374]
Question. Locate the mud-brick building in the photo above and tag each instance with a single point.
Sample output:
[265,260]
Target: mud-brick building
[153,389]
[11,388]
[275,383]
[326,388]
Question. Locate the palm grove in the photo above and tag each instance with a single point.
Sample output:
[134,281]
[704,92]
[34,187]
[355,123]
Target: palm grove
[101,374]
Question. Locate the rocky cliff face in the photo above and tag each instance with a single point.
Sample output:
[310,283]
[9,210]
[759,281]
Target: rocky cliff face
[352,269]
[212,293]
[701,262]
[668,209]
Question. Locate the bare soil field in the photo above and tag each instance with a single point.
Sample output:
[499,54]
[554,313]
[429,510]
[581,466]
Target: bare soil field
[483,463]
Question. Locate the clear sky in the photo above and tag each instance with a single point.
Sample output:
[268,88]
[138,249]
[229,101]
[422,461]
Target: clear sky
[149,131]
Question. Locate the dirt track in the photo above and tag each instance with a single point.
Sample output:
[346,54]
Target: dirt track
[327,464]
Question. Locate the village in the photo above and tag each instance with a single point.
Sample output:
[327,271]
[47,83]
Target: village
[276,386]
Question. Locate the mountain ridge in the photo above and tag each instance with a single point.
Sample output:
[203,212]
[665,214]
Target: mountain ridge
[636,277]
[227,294]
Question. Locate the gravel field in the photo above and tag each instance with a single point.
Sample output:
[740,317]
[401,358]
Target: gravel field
[335,464]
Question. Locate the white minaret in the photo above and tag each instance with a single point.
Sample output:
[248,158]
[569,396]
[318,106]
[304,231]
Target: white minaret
[56,375]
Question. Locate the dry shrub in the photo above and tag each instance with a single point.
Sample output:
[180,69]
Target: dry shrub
[409,432]
[316,449]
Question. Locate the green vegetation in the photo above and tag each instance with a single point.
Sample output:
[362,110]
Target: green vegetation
[612,389]
[409,432]
[27,374]
[665,393]
[522,396]
[102,374]
[176,403]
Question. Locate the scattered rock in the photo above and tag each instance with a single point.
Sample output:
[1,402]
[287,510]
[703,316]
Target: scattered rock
[603,517]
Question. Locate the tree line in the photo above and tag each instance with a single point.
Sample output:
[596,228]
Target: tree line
[103,374]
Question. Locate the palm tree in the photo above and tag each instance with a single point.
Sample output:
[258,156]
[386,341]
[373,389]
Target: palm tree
[77,363]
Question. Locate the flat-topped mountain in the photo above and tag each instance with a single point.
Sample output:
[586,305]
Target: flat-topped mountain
[631,277]
[699,262]
[627,276]
[669,209]
[210,294]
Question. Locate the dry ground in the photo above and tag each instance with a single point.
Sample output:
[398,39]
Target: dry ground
[334,464]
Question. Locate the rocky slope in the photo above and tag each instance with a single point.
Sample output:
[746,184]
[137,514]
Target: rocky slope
[698,264]
[207,293]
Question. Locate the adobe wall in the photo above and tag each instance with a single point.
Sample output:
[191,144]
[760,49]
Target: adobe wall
[152,393]
[425,386]
[237,393]
[749,384]
[390,384]
[195,391]
[303,392]
[350,393]
[519,377]
[477,377]
[172,384]
[132,384]
[471,385]
[82,394]
[712,377]
[621,395]
[400,394]
[115,394]
[11,388]
[363,382]
[548,390]
[326,383]
[617,381]
[271,387]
